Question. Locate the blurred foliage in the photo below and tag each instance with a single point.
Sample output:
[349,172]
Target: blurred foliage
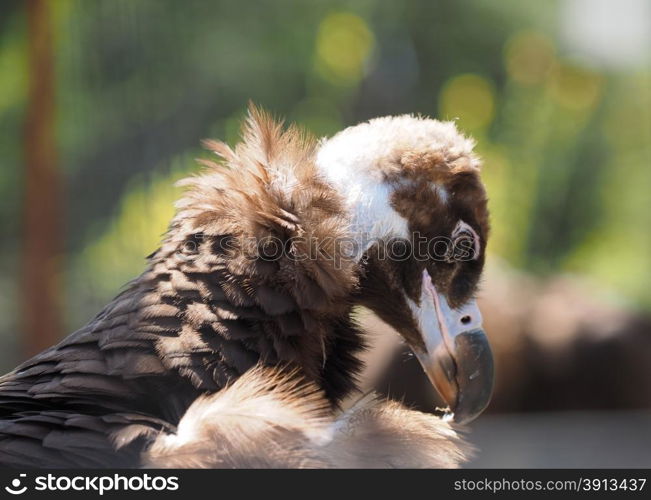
[566,140]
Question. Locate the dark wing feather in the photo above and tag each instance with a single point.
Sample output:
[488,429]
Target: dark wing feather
[65,439]
[64,407]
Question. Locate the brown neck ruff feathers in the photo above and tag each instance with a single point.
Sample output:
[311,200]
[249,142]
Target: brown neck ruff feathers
[263,226]
[229,287]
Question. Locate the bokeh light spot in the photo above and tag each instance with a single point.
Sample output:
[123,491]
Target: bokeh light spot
[575,88]
[470,98]
[529,57]
[343,45]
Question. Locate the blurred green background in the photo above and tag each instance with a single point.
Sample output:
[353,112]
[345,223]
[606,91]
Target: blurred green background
[557,94]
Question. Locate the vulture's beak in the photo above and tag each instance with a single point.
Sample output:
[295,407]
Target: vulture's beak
[458,358]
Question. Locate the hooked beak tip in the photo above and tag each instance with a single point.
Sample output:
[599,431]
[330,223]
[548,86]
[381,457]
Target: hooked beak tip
[464,379]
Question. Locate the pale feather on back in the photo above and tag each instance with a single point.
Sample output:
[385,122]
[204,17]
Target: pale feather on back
[271,419]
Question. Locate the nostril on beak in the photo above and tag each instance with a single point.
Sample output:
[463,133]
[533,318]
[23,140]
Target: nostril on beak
[466,319]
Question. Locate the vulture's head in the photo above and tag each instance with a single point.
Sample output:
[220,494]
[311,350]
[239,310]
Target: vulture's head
[272,247]
[419,223]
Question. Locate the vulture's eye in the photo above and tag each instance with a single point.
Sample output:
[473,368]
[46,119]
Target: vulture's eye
[462,248]
[465,243]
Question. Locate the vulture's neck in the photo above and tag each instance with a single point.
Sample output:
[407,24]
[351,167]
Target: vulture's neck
[252,270]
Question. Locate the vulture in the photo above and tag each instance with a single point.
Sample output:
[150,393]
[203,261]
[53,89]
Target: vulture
[238,344]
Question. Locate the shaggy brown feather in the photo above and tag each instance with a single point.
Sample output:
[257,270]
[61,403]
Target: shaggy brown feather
[216,299]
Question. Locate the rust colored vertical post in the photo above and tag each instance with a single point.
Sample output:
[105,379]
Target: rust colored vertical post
[42,223]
